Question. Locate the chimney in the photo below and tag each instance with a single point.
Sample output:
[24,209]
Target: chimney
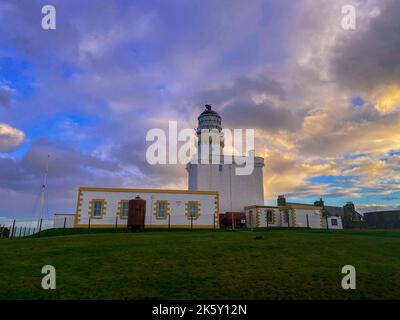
[281,200]
[319,203]
[349,206]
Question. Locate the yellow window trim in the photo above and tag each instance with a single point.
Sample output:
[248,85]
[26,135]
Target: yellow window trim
[293,217]
[187,209]
[216,211]
[78,208]
[283,213]
[156,212]
[257,217]
[103,208]
[273,216]
[120,209]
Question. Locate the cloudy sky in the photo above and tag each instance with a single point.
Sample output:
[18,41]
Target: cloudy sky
[324,101]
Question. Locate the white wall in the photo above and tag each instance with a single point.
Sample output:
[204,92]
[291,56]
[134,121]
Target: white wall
[59,220]
[235,191]
[176,199]
[256,217]
[330,225]
[314,218]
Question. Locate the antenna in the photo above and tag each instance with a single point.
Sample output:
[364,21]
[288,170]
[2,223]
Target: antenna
[43,189]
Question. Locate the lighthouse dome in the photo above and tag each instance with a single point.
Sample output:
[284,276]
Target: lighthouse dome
[209,119]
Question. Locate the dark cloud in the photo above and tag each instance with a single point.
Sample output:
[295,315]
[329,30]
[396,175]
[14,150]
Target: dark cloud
[236,104]
[6,94]
[242,87]
[68,169]
[264,116]
[132,154]
[369,57]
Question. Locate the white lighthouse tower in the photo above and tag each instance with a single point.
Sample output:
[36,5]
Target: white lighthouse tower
[210,137]
[211,173]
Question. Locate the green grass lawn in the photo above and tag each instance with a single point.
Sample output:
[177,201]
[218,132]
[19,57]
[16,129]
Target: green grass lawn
[283,264]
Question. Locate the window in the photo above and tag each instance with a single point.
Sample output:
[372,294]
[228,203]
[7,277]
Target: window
[161,208]
[97,208]
[270,217]
[192,209]
[286,217]
[125,208]
[334,222]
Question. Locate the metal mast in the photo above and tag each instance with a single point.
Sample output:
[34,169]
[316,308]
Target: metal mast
[43,189]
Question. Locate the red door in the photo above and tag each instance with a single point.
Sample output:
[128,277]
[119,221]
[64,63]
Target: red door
[136,213]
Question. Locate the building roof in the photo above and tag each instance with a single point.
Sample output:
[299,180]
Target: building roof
[334,211]
[299,204]
[303,205]
[394,212]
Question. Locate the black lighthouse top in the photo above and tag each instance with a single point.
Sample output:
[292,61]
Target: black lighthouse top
[209,119]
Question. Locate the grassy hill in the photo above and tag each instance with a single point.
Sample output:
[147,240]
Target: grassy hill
[268,264]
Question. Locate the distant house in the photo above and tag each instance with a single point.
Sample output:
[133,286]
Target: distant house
[350,217]
[291,214]
[316,215]
[382,219]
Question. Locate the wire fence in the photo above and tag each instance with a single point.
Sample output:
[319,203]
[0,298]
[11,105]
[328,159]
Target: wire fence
[172,221]
[13,228]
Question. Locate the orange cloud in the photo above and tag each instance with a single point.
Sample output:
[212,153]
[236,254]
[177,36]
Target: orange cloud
[388,99]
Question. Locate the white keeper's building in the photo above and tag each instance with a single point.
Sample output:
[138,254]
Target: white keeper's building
[108,207]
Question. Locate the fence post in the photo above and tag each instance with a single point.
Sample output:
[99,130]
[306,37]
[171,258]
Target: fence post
[326,219]
[169,221]
[12,230]
[214,220]
[233,222]
[40,227]
[308,223]
[65,222]
[29,230]
[267,219]
[191,222]
[116,223]
[89,224]
[24,231]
